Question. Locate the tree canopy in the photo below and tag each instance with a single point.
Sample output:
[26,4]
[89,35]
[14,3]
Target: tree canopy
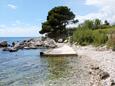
[56,22]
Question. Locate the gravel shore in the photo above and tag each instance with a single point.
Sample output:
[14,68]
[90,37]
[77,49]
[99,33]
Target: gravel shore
[98,63]
[105,59]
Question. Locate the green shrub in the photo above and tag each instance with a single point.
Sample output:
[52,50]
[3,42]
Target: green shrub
[85,37]
[111,42]
[99,37]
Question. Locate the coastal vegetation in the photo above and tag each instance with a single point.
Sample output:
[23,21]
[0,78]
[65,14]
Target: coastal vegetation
[94,32]
[90,32]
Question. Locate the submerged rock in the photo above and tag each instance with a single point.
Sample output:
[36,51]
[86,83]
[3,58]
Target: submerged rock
[10,49]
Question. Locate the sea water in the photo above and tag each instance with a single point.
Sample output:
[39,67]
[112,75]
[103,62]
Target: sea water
[27,68]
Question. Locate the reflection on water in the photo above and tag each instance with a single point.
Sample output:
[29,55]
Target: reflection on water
[27,68]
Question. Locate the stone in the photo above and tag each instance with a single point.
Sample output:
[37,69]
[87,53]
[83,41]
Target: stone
[13,50]
[3,44]
[30,44]
[50,43]
[41,53]
[19,46]
[104,75]
[31,47]
[60,40]
[90,72]
[10,49]
[112,83]
[64,50]
[95,68]
[5,49]
[38,43]
[13,44]
[30,40]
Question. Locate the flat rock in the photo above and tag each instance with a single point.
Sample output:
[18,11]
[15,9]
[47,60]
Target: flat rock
[65,50]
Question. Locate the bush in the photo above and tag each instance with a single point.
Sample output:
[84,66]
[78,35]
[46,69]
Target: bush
[85,37]
[99,37]
[94,33]
[111,42]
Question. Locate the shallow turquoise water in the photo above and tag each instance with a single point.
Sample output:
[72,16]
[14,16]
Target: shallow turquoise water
[27,68]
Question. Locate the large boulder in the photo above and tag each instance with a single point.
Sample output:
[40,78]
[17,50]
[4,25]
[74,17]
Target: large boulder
[38,43]
[3,44]
[50,43]
[19,46]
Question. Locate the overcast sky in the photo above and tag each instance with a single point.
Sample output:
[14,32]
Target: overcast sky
[24,17]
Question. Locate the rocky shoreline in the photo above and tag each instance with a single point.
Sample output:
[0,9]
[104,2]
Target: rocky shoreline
[103,72]
[33,43]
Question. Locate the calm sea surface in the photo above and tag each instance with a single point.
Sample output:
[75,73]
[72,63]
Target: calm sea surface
[27,68]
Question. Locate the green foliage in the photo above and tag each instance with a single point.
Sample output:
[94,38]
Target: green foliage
[94,24]
[46,27]
[57,19]
[88,24]
[111,41]
[97,24]
[92,32]
[99,37]
[107,30]
[85,37]
[106,22]
[104,26]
